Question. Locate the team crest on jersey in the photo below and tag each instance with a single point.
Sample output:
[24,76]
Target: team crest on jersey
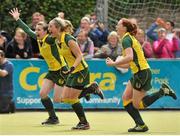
[61,81]
[138,85]
[80,79]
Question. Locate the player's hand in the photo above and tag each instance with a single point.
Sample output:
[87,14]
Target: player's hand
[110,62]
[15,13]
[67,72]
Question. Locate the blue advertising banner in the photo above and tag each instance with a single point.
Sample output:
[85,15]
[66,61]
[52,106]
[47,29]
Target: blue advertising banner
[28,76]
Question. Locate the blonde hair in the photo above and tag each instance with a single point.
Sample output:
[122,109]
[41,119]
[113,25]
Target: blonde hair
[59,23]
[68,26]
[21,31]
[87,19]
[113,33]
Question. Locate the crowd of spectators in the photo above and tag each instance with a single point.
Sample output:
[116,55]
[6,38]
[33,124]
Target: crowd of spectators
[160,40]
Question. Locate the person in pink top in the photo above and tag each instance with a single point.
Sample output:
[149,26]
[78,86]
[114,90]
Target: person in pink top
[162,47]
[170,36]
[147,48]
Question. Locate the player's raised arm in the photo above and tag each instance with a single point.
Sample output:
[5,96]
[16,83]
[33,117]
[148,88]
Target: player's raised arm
[15,13]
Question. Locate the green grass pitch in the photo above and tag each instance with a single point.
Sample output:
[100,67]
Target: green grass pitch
[102,123]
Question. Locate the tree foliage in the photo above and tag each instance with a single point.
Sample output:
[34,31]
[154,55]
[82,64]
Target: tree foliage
[73,9]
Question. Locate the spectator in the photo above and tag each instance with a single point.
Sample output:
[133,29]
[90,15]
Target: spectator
[170,36]
[3,42]
[86,44]
[61,15]
[169,26]
[36,18]
[93,18]
[177,35]
[19,47]
[146,46]
[99,28]
[101,31]
[6,85]
[85,25]
[6,35]
[112,49]
[162,46]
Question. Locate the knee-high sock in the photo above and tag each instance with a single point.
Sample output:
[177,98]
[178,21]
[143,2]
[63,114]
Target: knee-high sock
[133,112]
[77,107]
[49,106]
[149,99]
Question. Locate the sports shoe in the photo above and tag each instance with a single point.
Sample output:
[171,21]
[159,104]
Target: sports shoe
[81,126]
[138,128]
[168,91]
[51,121]
[97,90]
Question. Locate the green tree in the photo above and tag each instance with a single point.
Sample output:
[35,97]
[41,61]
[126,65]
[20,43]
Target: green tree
[74,10]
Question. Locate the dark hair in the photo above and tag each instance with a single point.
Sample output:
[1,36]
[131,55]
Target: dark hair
[172,23]
[131,28]
[2,53]
[6,34]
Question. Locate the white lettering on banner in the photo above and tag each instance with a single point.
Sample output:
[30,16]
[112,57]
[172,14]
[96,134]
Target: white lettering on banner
[160,80]
[28,101]
[31,101]
[155,71]
[115,100]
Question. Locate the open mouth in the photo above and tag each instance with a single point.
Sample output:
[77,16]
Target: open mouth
[37,34]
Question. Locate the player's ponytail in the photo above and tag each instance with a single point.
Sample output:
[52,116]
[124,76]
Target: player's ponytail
[131,28]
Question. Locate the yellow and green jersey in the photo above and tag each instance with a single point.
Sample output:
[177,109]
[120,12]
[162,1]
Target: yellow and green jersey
[50,52]
[139,61]
[48,49]
[68,55]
